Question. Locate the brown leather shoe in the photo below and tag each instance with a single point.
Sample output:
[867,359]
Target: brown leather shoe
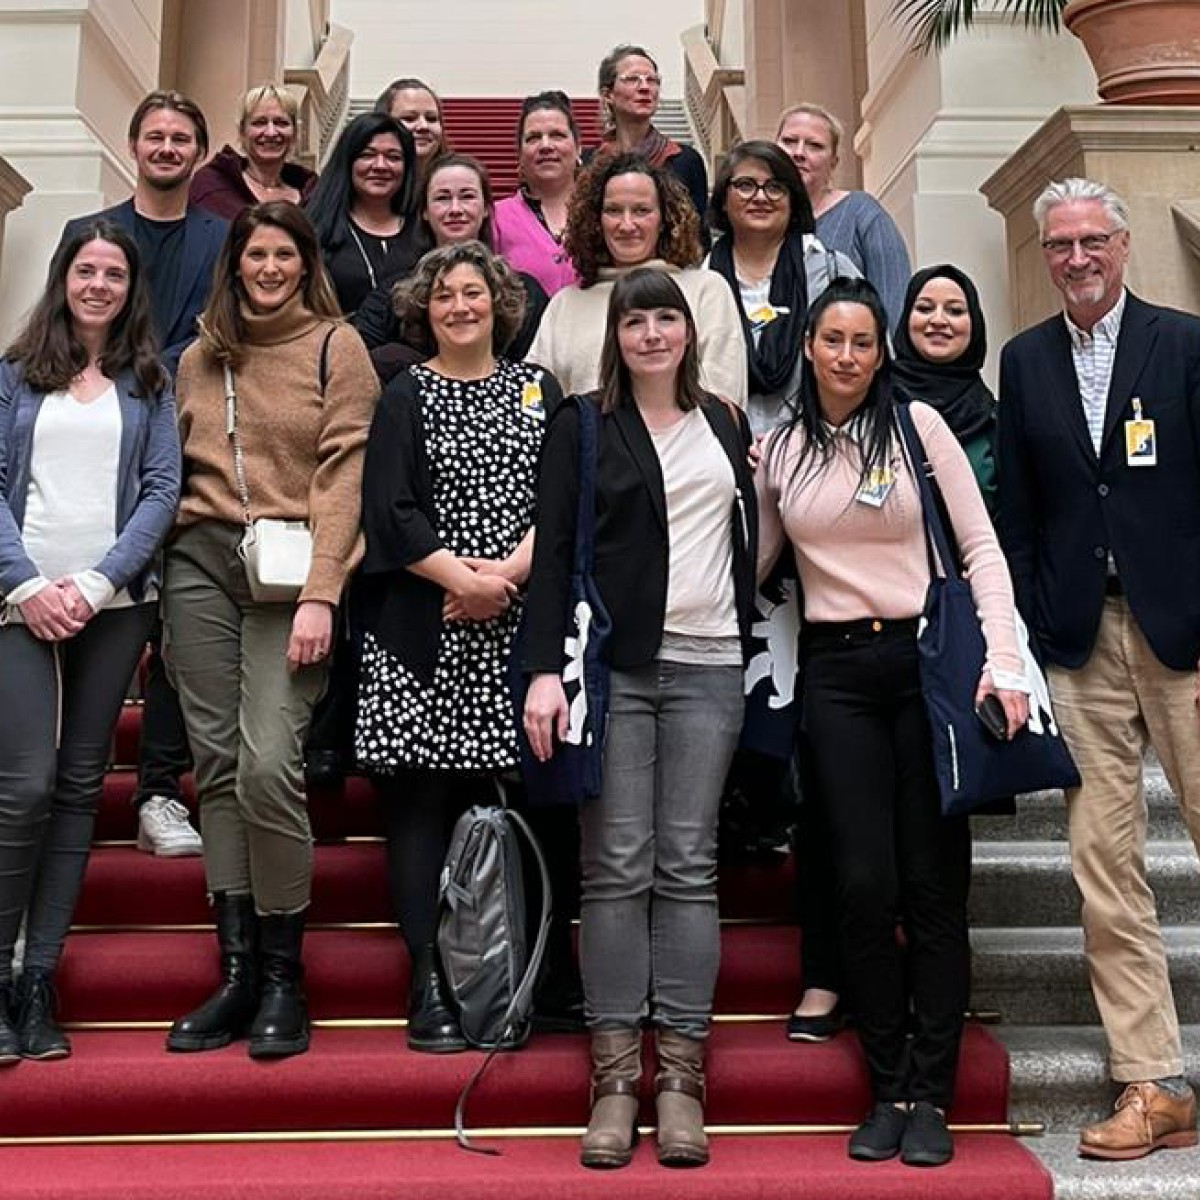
[1146,1118]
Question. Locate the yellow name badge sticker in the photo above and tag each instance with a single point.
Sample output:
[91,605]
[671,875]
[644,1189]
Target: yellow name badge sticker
[876,487]
[531,400]
[762,316]
[1141,443]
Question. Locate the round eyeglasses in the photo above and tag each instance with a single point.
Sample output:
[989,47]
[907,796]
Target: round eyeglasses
[747,188]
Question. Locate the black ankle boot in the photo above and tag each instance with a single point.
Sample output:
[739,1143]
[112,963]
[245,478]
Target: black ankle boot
[227,1013]
[39,1035]
[281,1027]
[10,1043]
[432,1026]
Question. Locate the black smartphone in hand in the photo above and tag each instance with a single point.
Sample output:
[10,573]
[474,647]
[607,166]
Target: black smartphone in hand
[992,716]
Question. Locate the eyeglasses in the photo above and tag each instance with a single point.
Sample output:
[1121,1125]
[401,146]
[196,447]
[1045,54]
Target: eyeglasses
[636,79]
[747,188]
[1093,243]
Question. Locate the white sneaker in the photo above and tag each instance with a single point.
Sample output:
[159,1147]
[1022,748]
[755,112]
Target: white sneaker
[164,829]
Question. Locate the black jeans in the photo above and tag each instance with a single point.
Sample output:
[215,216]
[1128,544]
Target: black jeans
[60,702]
[816,882]
[163,753]
[897,857]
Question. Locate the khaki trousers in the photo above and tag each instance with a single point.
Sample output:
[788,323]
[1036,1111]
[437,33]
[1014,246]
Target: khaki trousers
[1122,699]
[247,716]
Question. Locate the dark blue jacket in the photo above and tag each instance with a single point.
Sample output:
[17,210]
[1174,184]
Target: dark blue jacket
[148,480]
[203,236]
[1063,510]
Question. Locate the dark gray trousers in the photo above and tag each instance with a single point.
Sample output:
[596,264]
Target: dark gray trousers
[60,702]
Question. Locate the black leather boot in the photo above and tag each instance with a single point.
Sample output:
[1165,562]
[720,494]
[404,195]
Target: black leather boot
[10,1043]
[432,1026]
[227,1013]
[39,1035]
[281,1027]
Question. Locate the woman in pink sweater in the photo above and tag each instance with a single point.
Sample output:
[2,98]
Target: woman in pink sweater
[835,483]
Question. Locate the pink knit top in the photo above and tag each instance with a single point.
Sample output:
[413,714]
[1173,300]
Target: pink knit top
[860,561]
[527,245]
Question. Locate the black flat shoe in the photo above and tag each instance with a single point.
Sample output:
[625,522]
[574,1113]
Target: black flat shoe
[10,1042]
[926,1141]
[40,1036]
[878,1138]
[816,1029]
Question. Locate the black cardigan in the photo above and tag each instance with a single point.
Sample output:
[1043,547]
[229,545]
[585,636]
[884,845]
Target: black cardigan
[632,552]
[402,610]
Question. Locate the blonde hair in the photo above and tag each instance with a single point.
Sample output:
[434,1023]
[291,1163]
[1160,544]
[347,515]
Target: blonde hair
[836,128]
[267,91]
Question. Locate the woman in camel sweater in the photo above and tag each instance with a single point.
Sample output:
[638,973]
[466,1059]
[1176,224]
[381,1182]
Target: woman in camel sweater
[249,672]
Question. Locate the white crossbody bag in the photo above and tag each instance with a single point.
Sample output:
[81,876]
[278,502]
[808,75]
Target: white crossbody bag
[277,554]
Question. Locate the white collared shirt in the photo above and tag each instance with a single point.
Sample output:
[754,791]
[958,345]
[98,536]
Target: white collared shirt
[1094,354]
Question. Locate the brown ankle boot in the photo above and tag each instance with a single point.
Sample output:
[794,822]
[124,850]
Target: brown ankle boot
[616,1073]
[679,1099]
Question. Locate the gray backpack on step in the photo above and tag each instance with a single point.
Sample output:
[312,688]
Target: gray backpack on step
[488,967]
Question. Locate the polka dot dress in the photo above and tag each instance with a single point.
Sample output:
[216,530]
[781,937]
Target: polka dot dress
[482,439]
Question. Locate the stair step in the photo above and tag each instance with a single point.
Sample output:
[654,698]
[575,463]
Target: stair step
[352,973]
[352,811]
[1029,883]
[1166,1175]
[126,1082]
[985,1167]
[1059,1073]
[349,884]
[1039,976]
[1042,816]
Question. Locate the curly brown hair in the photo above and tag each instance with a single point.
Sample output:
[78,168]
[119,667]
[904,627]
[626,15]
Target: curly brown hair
[678,240]
[410,297]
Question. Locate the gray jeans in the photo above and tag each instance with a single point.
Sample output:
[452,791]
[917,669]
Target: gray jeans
[60,702]
[246,714]
[649,930]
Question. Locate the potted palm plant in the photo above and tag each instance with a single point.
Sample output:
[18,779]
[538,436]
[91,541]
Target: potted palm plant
[1143,51]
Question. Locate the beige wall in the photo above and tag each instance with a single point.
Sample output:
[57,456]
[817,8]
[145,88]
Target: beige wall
[934,128]
[801,50]
[508,47]
[72,71]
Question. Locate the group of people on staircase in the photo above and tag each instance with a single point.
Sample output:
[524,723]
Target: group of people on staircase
[408,368]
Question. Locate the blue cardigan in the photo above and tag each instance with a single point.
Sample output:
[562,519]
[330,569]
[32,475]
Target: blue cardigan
[148,481]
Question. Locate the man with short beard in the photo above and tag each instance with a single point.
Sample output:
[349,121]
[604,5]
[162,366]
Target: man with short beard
[178,245]
[1099,479]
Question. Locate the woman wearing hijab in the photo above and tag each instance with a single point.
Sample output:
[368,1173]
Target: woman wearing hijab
[941,343]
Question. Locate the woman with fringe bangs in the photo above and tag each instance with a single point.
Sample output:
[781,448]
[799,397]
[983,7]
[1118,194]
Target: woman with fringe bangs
[674,555]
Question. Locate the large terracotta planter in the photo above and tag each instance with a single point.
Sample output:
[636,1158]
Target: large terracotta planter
[1143,51]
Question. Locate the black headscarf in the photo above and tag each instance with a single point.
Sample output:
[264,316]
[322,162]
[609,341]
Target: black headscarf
[956,389]
[774,359]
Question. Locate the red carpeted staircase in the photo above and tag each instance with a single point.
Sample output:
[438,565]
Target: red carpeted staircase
[361,1116]
[487,128]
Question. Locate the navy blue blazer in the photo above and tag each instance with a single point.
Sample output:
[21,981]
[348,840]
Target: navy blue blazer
[1063,510]
[203,236]
[148,481]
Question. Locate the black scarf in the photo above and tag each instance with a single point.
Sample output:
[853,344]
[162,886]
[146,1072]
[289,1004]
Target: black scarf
[956,389]
[774,359]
